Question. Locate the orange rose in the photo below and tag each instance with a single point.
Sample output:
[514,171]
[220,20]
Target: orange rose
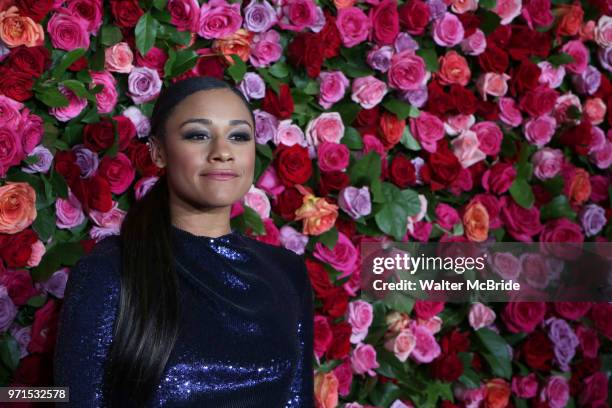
[344,3]
[391,129]
[579,187]
[238,43]
[476,222]
[317,214]
[497,394]
[326,390]
[17,207]
[453,69]
[569,19]
[16,30]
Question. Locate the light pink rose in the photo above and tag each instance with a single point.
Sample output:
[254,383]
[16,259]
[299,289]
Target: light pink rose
[140,121]
[493,84]
[602,157]
[184,14]
[143,185]
[463,6]
[343,257]
[68,30]
[427,129]
[555,392]
[549,75]
[9,112]
[38,250]
[426,348]
[119,58]
[266,49]
[595,110]
[74,109]
[402,344]
[506,265]
[257,200]
[448,30]
[603,31]
[354,26]
[456,124]
[293,240]
[538,131]
[359,315]
[297,15]
[475,44]
[107,98]
[489,136]
[270,182]
[562,106]
[218,19]
[480,316]
[107,223]
[579,53]
[368,91]
[547,163]
[507,10]
[69,212]
[332,87]
[327,127]
[466,148]
[509,112]
[407,71]
[144,84]
[289,134]
[363,359]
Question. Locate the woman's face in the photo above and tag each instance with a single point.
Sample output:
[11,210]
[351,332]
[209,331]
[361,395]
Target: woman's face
[208,131]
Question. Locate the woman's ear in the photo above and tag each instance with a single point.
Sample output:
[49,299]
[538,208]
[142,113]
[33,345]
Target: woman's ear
[157,152]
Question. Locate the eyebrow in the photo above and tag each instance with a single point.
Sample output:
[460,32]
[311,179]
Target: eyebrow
[205,121]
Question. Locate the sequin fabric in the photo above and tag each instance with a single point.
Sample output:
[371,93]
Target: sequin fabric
[246,332]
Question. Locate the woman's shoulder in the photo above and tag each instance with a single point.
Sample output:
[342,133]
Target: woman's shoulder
[100,266]
[286,260]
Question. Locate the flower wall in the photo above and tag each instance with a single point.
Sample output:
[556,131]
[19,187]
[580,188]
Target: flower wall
[436,120]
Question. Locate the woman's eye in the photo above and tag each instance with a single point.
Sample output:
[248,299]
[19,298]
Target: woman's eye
[197,136]
[243,137]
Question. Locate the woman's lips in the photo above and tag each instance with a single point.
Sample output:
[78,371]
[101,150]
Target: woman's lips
[220,175]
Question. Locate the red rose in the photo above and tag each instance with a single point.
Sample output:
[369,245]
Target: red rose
[521,223]
[33,60]
[16,249]
[601,314]
[470,23]
[499,178]
[34,370]
[347,227]
[332,181]
[578,137]
[539,101]
[525,42]
[306,50]
[293,165]
[213,66]
[319,278]
[341,345]
[35,9]
[335,302]
[99,136]
[19,286]
[572,310]
[414,16]
[329,36]
[595,391]
[494,59]
[367,117]
[287,202]
[426,309]
[99,193]
[537,351]
[447,367]
[402,172]
[126,129]
[281,105]
[44,328]
[525,77]
[322,335]
[385,22]
[442,167]
[118,171]
[16,84]
[500,37]
[79,64]
[455,342]
[155,59]
[126,12]
[464,100]
[438,101]
[140,157]
[523,317]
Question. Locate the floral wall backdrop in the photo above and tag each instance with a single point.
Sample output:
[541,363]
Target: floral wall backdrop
[436,120]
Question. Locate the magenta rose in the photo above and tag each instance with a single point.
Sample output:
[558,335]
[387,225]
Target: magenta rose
[427,129]
[218,19]
[11,152]
[332,87]
[540,130]
[333,156]
[298,14]
[547,163]
[107,98]
[118,171]
[579,53]
[354,26]
[521,223]
[74,108]
[407,71]
[343,257]
[184,14]
[68,30]
[498,178]
[523,317]
[490,137]
[448,30]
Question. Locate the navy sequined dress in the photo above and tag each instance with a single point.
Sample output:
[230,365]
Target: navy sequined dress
[246,334]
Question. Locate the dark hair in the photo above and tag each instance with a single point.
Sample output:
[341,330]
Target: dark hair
[146,328]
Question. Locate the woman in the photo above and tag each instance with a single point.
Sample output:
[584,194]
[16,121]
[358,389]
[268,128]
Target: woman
[180,309]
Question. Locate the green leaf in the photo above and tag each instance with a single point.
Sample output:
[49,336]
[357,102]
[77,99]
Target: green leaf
[409,141]
[430,57]
[44,224]
[9,351]
[253,220]
[63,253]
[110,35]
[376,190]
[399,204]
[53,98]
[400,108]
[160,4]
[558,207]
[365,170]
[383,395]
[489,22]
[487,4]
[329,238]
[348,110]
[66,61]
[279,70]
[554,185]
[521,192]
[184,60]
[37,301]
[560,59]
[399,301]
[497,352]
[238,69]
[78,88]
[352,138]
[145,31]
[58,184]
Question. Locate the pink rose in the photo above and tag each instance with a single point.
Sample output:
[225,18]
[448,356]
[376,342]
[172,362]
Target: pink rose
[475,44]
[327,127]
[509,112]
[467,149]
[89,11]
[555,392]
[426,309]
[427,129]
[143,185]
[332,87]
[9,112]
[108,223]
[521,223]
[507,10]
[343,257]
[368,91]
[407,71]
[31,129]
[257,199]
[523,317]
[456,124]
[402,344]
[74,109]
[363,359]
[344,374]
[547,163]
[595,110]
[359,316]
[602,157]
[506,265]
[107,98]
[498,178]
[119,58]
[480,316]
[266,49]
[293,240]
[38,250]
[550,75]
[463,6]
[322,335]
[297,15]
[492,84]
[68,30]
[118,171]
[579,53]
[218,19]
[155,59]
[270,182]
[184,14]
[12,152]
[426,348]
[603,31]
[354,26]
[288,134]
[446,216]
[539,131]
[525,387]
[589,341]
[562,106]
[490,137]
[69,212]
[448,30]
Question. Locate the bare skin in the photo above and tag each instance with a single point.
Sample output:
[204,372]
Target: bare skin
[208,131]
